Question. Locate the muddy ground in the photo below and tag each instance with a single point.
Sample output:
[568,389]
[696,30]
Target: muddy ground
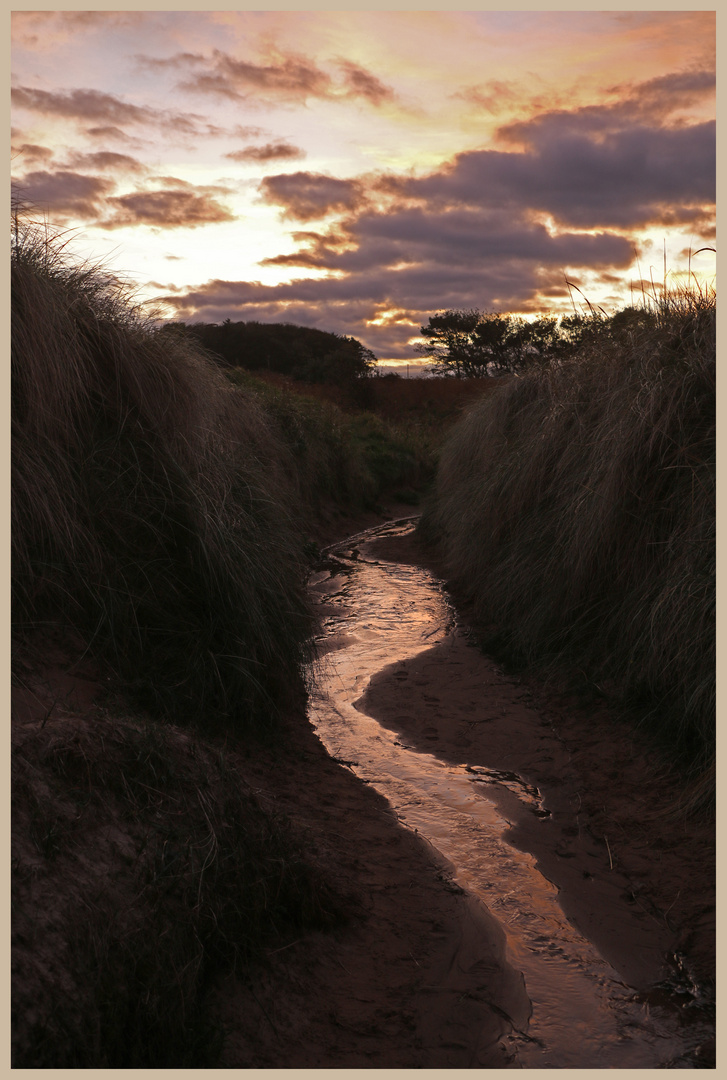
[417,979]
[415,976]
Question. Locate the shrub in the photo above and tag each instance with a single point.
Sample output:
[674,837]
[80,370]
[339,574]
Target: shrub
[350,458]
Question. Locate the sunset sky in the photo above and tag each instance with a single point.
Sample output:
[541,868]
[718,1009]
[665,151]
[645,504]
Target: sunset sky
[358,171]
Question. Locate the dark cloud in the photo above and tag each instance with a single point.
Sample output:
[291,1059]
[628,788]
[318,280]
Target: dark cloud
[94,105]
[648,105]
[107,160]
[622,180]
[361,83]
[665,94]
[31,153]
[64,193]
[494,229]
[412,264]
[166,209]
[307,196]
[275,151]
[81,104]
[106,132]
[286,78]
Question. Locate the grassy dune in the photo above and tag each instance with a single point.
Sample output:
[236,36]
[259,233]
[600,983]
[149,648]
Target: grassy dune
[161,517]
[142,507]
[575,507]
[157,544]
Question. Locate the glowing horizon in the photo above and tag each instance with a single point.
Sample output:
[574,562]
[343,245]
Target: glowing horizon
[358,171]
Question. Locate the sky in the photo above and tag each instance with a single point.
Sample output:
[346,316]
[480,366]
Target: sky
[358,171]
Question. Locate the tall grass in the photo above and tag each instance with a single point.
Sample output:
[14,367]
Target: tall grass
[150,506]
[576,508]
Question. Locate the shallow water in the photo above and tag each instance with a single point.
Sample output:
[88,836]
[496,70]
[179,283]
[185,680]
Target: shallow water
[584,1015]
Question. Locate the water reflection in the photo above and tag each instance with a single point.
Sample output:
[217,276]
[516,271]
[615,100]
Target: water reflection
[376,613]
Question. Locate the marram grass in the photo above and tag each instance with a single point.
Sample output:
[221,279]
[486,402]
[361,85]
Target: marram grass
[576,507]
[151,511]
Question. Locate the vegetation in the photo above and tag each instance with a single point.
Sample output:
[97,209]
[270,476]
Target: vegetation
[163,505]
[305,353]
[157,511]
[470,344]
[142,507]
[336,456]
[143,863]
[576,508]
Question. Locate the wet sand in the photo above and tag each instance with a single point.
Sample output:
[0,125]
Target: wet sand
[417,979]
[414,974]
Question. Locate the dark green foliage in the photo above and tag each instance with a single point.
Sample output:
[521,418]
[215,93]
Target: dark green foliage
[302,352]
[347,457]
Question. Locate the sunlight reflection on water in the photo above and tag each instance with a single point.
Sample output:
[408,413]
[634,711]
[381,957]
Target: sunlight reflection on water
[377,613]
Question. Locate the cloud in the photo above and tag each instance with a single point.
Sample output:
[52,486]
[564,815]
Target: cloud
[81,104]
[495,229]
[398,264]
[64,193]
[289,77]
[494,96]
[31,153]
[106,132]
[107,160]
[179,60]
[306,196]
[46,30]
[274,151]
[248,131]
[94,105]
[648,105]
[165,209]
[624,179]
[282,77]
[361,83]
[666,94]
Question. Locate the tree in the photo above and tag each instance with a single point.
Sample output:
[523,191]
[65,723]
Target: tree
[451,344]
[473,344]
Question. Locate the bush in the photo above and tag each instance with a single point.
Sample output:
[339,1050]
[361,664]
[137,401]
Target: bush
[576,508]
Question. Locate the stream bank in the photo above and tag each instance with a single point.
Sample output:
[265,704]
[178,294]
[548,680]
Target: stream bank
[419,978]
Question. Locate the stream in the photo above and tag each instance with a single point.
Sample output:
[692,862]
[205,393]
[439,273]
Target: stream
[585,1014]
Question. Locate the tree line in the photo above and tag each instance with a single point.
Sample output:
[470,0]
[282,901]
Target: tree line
[475,344]
[303,353]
